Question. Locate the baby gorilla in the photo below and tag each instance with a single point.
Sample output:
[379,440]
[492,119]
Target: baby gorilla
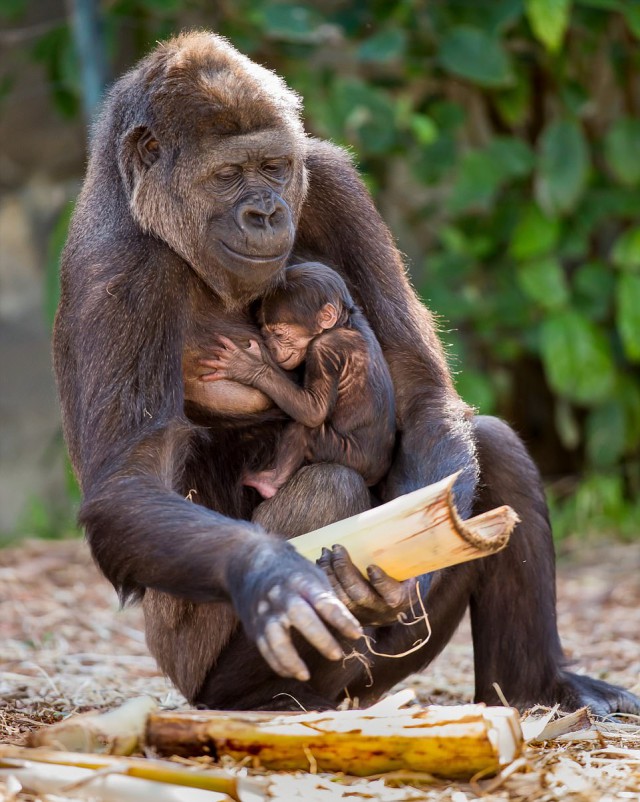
[345,410]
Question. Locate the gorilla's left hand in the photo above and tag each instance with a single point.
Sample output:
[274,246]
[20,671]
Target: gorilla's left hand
[376,601]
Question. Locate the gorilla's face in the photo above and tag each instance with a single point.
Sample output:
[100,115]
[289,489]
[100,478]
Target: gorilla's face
[228,204]
[250,196]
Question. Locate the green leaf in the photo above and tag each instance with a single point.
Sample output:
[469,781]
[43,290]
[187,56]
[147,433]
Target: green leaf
[476,182]
[606,434]
[384,46]
[622,150]
[473,54]
[549,20]
[632,15]
[477,390]
[543,281]
[424,129]
[567,426]
[628,314]
[593,284]
[563,164]
[366,113]
[534,234]
[626,251]
[512,157]
[577,357]
[290,21]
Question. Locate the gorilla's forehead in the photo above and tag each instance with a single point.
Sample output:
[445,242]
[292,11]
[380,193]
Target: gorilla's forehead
[243,148]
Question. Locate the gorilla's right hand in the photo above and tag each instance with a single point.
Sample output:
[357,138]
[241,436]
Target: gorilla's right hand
[273,589]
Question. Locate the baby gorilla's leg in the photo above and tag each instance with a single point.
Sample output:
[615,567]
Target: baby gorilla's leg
[289,457]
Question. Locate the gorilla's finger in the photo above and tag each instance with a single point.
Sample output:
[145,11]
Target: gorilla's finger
[392,591]
[351,579]
[279,651]
[324,562]
[336,613]
[271,657]
[304,619]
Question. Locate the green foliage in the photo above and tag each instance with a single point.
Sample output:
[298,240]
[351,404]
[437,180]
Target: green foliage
[549,20]
[512,183]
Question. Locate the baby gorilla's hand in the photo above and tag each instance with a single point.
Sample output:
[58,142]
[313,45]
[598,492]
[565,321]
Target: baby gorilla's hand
[377,601]
[229,361]
[277,589]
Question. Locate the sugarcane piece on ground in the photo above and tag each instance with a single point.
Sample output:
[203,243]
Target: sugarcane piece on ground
[116,732]
[414,534]
[455,742]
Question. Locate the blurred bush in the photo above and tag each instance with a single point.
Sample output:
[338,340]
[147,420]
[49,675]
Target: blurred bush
[501,141]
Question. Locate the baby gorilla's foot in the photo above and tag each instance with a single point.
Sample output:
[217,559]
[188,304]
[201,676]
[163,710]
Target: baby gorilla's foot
[267,483]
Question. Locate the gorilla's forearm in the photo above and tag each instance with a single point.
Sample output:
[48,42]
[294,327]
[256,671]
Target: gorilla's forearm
[144,535]
[431,449]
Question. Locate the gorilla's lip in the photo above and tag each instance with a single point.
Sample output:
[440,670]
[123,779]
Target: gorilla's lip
[257,259]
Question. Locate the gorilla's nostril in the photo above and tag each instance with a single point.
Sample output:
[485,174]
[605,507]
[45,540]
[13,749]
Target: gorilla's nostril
[255,219]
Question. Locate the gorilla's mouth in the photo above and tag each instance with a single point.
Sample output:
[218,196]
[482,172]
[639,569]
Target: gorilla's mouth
[251,258]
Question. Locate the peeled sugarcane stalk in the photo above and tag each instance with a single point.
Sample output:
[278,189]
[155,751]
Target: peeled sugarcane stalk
[414,534]
[59,769]
[455,742]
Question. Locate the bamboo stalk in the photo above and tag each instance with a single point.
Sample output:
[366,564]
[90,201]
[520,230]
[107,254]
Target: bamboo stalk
[455,742]
[414,534]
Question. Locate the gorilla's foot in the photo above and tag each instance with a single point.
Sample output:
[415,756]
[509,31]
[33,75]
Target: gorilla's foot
[574,691]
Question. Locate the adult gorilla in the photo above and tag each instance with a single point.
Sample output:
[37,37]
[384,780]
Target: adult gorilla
[201,187]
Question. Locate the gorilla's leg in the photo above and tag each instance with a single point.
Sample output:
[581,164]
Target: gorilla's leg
[513,603]
[241,680]
[512,600]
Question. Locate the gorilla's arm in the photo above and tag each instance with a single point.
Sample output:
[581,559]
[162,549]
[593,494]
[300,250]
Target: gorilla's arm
[340,224]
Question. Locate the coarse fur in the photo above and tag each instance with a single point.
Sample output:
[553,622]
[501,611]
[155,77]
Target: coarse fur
[201,187]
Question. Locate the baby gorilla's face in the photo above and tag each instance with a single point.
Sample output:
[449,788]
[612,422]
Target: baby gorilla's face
[288,342]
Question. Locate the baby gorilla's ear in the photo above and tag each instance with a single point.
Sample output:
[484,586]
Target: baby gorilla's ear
[327,316]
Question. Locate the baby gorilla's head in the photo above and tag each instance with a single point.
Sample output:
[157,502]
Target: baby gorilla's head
[312,300]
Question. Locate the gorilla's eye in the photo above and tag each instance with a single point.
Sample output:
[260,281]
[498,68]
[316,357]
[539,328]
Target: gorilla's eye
[275,168]
[229,173]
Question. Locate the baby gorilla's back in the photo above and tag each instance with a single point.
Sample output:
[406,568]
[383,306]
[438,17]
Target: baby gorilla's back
[360,430]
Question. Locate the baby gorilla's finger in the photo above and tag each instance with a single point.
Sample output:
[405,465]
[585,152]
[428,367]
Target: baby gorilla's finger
[278,650]
[336,613]
[392,591]
[213,377]
[226,343]
[303,618]
[355,585]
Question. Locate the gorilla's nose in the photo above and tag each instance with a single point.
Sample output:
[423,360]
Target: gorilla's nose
[263,213]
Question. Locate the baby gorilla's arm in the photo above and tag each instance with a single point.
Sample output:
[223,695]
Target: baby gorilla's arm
[309,405]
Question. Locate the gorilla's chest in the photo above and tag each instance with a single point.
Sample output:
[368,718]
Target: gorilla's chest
[218,399]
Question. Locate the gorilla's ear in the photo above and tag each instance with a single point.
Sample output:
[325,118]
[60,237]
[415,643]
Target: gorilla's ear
[148,147]
[139,150]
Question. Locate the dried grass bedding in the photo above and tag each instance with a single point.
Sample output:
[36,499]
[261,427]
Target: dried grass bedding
[65,648]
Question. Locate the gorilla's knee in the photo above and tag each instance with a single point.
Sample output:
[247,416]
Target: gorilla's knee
[317,495]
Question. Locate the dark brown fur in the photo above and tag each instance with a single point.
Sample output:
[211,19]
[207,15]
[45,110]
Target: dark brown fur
[146,282]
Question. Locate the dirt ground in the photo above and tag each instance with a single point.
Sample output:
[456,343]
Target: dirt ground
[66,647]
